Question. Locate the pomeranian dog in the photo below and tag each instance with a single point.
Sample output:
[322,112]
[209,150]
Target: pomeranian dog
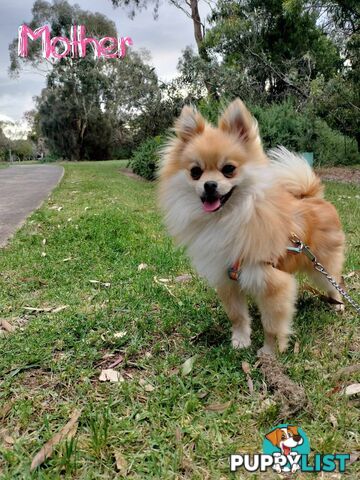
[230,204]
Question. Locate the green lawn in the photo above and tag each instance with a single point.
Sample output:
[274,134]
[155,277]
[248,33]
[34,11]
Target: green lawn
[100,226]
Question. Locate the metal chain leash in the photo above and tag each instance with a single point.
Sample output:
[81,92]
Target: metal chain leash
[301,247]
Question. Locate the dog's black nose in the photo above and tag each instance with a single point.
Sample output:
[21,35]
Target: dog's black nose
[297,438]
[210,187]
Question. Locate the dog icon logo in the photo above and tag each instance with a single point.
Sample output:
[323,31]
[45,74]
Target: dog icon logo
[286,441]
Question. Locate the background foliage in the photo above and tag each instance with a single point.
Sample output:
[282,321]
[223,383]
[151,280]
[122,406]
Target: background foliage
[295,63]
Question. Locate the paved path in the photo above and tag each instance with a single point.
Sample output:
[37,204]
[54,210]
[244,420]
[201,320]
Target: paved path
[23,188]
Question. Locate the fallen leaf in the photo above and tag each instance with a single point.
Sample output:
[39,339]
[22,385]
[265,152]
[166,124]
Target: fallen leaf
[188,365]
[120,334]
[250,384]
[7,326]
[67,259]
[178,435]
[322,297]
[183,278]
[147,386]
[44,241]
[202,394]
[218,407]
[121,462]
[103,284]
[164,280]
[296,348]
[5,410]
[246,367]
[9,440]
[354,456]
[43,254]
[333,420]
[66,432]
[352,389]
[142,266]
[110,375]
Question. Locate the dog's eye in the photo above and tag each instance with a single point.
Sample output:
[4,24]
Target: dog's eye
[196,173]
[228,170]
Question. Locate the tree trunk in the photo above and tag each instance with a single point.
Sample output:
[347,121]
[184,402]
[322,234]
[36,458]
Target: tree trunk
[195,15]
[199,37]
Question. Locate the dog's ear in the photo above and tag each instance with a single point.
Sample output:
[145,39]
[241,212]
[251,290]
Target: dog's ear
[274,437]
[237,120]
[189,123]
[293,429]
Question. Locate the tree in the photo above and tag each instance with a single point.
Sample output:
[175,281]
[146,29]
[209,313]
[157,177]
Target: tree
[88,104]
[191,10]
[278,49]
[4,144]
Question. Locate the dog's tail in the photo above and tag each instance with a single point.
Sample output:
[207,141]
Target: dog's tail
[295,174]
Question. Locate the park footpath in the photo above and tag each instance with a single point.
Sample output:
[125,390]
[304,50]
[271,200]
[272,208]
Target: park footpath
[23,188]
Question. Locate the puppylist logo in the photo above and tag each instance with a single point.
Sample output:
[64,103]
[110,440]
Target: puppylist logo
[286,449]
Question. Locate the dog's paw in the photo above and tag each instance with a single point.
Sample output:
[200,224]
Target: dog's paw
[266,349]
[240,341]
[339,308]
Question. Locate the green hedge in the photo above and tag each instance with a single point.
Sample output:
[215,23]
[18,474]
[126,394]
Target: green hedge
[280,124]
[145,159]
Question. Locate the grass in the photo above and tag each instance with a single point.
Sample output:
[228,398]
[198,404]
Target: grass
[108,225]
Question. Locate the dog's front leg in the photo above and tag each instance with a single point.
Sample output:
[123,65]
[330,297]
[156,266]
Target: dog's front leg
[277,305]
[235,305]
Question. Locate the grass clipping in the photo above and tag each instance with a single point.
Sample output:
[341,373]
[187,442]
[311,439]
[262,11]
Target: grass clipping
[289,394]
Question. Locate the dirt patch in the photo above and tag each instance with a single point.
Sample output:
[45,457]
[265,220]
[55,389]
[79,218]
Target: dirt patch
[290,395]
[129,173]
[38,379]
[340,174]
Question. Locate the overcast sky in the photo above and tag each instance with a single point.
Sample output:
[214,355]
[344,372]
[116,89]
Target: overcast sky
[165,38]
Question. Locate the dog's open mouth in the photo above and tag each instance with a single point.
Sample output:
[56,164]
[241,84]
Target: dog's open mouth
[211,204]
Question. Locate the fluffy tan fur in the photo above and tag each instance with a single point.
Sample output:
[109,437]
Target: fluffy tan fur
[269,198]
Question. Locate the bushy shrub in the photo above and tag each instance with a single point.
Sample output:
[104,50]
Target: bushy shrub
[281,124]
[50,158]
[145,159]
[332,147]
[210,109]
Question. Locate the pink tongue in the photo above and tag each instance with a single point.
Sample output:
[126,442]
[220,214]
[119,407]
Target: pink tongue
[211,206]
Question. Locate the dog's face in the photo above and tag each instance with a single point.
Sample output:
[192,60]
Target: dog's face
[285,438]
[213,158]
